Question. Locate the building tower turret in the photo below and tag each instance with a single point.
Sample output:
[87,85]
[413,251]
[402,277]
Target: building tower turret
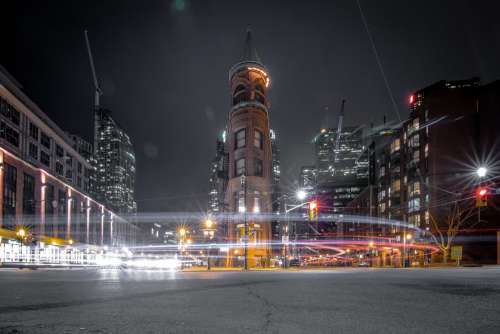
[250,155]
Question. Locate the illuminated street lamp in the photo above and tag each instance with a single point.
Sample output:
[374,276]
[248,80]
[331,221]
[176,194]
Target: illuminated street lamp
[208,233]
[301,195]
[481,171]
[21,233]
[406,236]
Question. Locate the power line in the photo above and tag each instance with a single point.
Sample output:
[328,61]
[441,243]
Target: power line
[378,61]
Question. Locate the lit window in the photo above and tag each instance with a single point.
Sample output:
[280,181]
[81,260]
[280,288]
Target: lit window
[396,185]
[395,145]
[258,139]
[256,202]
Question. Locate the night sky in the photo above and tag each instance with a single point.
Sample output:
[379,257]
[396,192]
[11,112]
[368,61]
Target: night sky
[163,66]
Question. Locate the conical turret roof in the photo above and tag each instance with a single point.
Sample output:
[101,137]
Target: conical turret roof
[250,56]
[250,53]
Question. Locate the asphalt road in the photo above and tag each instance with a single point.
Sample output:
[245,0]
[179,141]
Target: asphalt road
[335,301]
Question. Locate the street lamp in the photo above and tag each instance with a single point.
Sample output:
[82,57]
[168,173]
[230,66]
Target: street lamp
[208,233]
[301,195]
[21,233]
[406,236]
[481,171]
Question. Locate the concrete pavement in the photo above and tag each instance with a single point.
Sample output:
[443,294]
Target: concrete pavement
[462,300]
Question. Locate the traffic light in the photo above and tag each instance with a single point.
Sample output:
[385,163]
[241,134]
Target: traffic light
[481,197]
[313,210]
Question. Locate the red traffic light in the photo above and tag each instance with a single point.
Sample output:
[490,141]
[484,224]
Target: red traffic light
[313,205]
[481,197]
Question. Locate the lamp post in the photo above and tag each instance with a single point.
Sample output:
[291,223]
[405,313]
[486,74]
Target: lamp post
[243,181]
[406,236]
[301,195]
[481,172]
[208,233]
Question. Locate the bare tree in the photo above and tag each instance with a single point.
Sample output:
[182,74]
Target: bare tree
[457,219]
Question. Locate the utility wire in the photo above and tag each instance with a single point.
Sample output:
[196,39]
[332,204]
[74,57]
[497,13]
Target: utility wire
[396,109]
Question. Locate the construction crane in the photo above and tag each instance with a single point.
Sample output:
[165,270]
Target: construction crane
[98,91]
[339,130]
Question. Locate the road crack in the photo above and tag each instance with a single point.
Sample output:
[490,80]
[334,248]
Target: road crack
[268,309]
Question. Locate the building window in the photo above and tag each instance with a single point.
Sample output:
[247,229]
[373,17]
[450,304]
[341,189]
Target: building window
[259,88]
[414,205]
[79,167]
[414,220]
[9,192]
[59,151]
[69,174]
[381,171]
[29,195]
[79,181]
[9,112]
[69,160]
[414,141]
[241,202]
[240,167]
[396,185]
[240,139]
[395,145]
[258,139]
[45,140]
[381,207]
[258,167]
[9,134]
[239,89]
[260,98]
[414,189]
[256,202]
[62,207]
[240,95]
[33,131]
[45,158]
[59,168]
[33,151]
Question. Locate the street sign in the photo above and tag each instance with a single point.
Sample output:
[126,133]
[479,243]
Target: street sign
[456,253]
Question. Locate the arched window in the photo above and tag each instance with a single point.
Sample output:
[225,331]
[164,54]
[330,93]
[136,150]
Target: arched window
[242,97]
[259,88]
[260,98]
[239,88]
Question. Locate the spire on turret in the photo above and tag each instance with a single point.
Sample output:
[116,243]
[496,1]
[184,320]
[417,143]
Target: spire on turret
[250,53]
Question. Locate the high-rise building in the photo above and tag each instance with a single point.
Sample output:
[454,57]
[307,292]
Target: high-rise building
[341,169]
[250,153]
[307,178]
[344,161]
[115,159]
[276,168]
[218,177]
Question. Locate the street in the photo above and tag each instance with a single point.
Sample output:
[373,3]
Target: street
[463,300]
